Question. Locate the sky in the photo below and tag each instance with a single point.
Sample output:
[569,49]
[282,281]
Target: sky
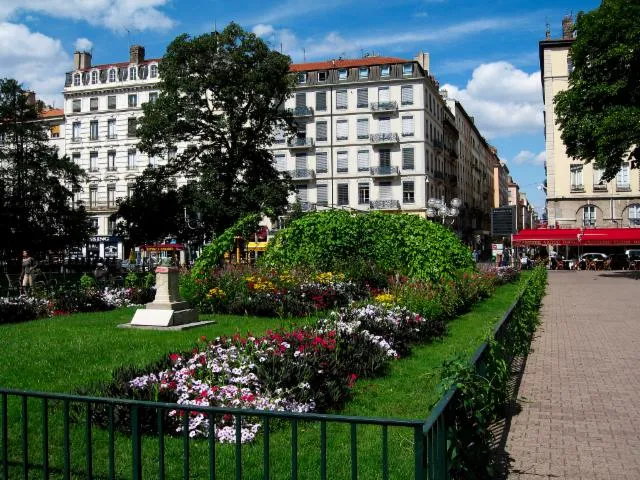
[485,54]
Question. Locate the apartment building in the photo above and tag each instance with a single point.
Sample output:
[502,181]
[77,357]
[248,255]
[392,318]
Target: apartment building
[576,194]
[102,104]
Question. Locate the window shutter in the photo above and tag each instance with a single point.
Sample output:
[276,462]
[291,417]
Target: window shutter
[321,101]
[301,100]
[301,193]
[281,163]
[407,95]
[343,162]
[342,130]
[321,195]
[343,194]
[363,128]
[363,97]
[341,99]
[321,131]
[383,94]
[384,125]
[407,126]
[385,158]
[407,159]
[301,161]
[363,160]
[321,162]
[384,191]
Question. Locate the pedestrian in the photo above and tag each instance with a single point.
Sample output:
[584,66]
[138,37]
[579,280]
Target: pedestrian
[476,255]
[28,266]
[101,272]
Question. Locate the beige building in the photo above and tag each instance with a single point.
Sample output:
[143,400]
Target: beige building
[576,194]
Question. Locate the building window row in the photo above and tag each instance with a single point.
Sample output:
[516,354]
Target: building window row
[383,96]
[132,102]
[112,75]
[362,73]
[94,129]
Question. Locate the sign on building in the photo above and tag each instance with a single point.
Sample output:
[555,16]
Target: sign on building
[503,221]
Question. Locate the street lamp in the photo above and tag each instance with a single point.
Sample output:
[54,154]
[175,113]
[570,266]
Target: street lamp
[437,207]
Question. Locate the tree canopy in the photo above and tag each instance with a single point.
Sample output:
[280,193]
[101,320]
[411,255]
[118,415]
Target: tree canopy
[36,212]
[221,97]
[599,113]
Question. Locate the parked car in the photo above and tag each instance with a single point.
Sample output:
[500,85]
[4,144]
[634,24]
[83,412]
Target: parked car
[633,254]
[586,258]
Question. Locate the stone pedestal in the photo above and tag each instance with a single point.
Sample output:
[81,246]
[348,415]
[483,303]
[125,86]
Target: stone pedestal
[167,310]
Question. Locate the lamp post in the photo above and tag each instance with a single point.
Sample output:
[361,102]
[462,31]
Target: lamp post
[187,222]
[437,207]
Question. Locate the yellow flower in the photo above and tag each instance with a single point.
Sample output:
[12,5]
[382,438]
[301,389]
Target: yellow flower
[384,298]
[216,293]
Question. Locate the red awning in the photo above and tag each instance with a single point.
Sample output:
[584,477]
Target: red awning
[162,247]
[577,236]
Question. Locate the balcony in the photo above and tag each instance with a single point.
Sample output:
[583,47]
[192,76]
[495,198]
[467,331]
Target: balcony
[384,205]
[300,143]
[301,112]
[384,107]
[302,174]
[307,206]
[384,171]
[101,207]
[577,188]
[383,138]
[76,140]
[623,187]
[438,175]
[601,187]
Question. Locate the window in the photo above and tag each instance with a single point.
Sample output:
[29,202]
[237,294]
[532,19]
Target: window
[76,158]
[384,125]
[343,194]
[589,216]
[576,178]
[342,130]
[153,71]
[75,132]
[93,130]
[408,192]
[302,77]
[93,104]
[322,76]
[407,69]
[385,157]
[384,95]
[341,99]
[133,100]
[112,75]
[408,158]
[322,198]
[363,72]
[111,128]
[598,183]
[94,77]
[342,74]
[76,105]
[131,160]
[111,160]
[363,128]
[321,131]
[301,99]
[406,97]
[93,202]
[622,178]
[301,194]
[132,73]
[131,127]
[130,190]
[363,193]
[76,80]
[111,226]
[384,191]
[321,162]
[343,162]
[111,196]
[111,102]
[281,162]
[301,161]
[363,97]
[634,215]
[54,131]
[385,70]
[321,101]
[363,160]
[153,96]
[407,126]
[93,161]
[279,135]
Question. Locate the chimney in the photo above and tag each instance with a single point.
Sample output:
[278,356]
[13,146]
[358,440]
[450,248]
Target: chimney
[567,27]
[81,60]
[423,59]
[136,54]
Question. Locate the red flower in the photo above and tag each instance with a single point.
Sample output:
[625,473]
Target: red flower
[351,380]
[174,357]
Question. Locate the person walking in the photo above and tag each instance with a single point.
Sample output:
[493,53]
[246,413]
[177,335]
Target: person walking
[28,266]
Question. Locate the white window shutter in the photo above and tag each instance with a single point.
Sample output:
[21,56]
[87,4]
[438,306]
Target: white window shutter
[343,162]
[321,162]
[342,129]
[363,160]
[341,99]
[281,163]
[301,161]
[407,126]
[301,193]
[363,128]
[384,125]
[321,195]
[384,191]
[383,94]
[407,95]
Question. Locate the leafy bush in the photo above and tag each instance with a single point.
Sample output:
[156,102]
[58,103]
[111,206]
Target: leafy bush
[22,309]
[87,282]
[405,244]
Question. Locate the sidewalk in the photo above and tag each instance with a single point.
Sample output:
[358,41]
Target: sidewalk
[580,393]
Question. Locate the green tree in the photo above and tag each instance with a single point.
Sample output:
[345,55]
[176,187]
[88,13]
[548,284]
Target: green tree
[221,95]
[36,212]
[598,114]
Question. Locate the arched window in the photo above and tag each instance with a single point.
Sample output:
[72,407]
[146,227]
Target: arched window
[589,216]
[634,215]
[76,80]
[112,75]
[132,73]
[94,77]
[154,71]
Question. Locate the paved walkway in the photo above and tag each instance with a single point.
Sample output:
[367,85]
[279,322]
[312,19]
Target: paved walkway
[580,391]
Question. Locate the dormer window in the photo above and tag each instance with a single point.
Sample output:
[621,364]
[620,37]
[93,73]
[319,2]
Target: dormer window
[385,71]
[407,69]
[342,74]
[154,71]
[132,73]
[112,75]
[302,77]
[94,77]
[322,76]
[363,72]
[76,80]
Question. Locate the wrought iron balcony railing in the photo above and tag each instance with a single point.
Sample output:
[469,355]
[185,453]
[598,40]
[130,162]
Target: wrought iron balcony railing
[298,142]
[300,112]
[623,187]
[307,206]
[384,205]
[384,107]
[384,171]
[302,174]
[383,138]
[577,188]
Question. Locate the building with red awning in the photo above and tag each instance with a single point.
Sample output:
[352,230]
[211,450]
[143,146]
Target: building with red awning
[577,237]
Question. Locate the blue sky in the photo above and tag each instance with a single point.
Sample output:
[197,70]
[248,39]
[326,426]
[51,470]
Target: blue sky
[485,54]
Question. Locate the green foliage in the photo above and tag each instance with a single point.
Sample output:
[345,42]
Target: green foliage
[149,280]
[405,244]
[87,282]
[131,280]
[599,112]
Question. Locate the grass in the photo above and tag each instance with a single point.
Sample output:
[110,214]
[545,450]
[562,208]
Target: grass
[64,353]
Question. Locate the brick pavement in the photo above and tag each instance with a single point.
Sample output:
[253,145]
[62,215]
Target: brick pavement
[580,393]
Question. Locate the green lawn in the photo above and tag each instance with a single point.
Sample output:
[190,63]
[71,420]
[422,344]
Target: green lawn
[64,353]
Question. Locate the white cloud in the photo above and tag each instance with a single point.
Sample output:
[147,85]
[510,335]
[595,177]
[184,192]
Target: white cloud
[294,9]
[33,59]
[117,15]
[503,99]
[263,30]
[83,44]
[282,39]
[527,156]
